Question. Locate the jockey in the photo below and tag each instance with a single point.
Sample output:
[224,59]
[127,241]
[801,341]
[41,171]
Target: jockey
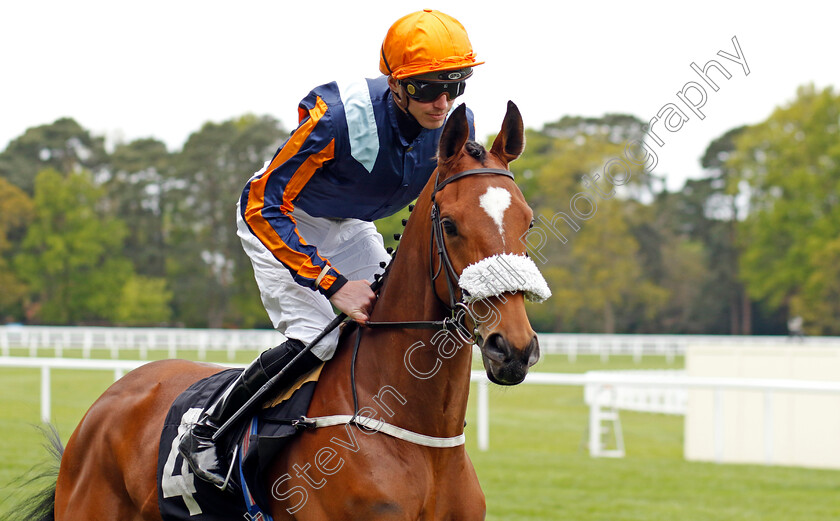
[362,151]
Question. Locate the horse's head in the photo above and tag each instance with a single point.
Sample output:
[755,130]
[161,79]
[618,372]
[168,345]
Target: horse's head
[479,216]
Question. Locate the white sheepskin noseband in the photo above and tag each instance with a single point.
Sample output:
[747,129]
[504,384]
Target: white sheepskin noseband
[503,273]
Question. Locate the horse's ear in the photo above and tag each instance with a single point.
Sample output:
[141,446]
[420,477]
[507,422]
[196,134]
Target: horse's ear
[510,142]
[455,134]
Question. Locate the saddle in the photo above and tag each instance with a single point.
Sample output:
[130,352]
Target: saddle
[182,496]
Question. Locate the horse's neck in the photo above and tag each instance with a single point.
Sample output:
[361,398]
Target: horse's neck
[415,373]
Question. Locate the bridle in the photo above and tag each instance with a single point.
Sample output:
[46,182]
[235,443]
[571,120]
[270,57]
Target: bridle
[458,309]
[437,240]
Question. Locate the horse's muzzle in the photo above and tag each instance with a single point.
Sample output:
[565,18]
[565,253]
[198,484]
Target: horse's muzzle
[505,364]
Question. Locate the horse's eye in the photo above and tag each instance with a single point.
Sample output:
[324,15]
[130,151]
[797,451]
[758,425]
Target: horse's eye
[531,225]
[450,228]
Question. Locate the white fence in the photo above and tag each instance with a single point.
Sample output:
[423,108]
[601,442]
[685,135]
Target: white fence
[767,386]
[57,339]
[594,382]
[46,365]
[662,400]
[669,346]
[652,384]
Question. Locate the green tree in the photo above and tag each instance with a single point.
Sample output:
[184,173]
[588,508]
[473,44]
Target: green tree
[791,163]
[63,146]
[604,279]
[16,209]
[687,247]
[590,258]
[718,230]
[70,257]
[140,174]
[819,301]
[144,301]
[211,276]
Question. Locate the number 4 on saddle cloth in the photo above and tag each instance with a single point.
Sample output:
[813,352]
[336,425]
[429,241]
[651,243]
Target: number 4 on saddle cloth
[183,496]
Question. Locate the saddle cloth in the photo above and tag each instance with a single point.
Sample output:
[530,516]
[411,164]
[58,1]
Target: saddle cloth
[182,496]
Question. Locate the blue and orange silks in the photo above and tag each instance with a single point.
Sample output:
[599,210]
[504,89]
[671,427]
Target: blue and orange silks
[346,159]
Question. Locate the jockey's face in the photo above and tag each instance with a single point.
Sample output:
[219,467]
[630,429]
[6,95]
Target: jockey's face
[429,114]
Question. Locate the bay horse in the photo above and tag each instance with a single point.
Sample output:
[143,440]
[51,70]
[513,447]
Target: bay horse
[404,375]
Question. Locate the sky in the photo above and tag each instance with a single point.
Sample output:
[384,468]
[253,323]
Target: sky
[163,68]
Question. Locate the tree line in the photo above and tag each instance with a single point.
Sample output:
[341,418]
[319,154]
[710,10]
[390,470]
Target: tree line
[140,235]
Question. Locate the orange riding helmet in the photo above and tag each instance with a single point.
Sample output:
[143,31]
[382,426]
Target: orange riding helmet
[423,42]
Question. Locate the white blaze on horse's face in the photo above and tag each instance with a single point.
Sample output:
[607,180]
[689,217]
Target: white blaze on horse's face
[495,201]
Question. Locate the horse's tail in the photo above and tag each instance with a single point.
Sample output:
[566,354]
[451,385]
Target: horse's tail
[40,505]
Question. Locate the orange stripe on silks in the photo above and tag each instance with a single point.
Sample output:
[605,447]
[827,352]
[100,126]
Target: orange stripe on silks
[298,261]
[298,181]
[293,188]
[327,281]
[303,174]
[294,144]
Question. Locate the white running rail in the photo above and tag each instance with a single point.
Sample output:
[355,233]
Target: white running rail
[657,383]
[57,339]
[595,379]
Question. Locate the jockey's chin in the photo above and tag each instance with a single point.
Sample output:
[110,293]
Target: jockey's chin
[432,114]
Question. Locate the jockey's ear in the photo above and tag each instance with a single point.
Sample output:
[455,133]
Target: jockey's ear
[455,134]
[397,93]
[510,142]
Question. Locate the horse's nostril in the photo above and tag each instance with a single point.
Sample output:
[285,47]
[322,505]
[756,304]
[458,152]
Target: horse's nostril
[533,351]
[496,348]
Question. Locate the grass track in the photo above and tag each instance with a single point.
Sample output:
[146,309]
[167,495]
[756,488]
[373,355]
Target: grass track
[537,467]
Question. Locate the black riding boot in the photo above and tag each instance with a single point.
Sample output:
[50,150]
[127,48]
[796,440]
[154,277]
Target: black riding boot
[197,445]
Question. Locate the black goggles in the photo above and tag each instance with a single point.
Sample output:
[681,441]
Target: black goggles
[426,91]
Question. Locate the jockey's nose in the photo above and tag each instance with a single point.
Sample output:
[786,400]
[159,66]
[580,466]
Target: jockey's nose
[441,102]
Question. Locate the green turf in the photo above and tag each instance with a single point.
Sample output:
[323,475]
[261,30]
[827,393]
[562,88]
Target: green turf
[537,467]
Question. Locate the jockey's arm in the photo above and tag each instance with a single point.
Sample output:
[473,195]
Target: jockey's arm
[268,200]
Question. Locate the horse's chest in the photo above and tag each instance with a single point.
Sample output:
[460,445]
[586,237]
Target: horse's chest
[429,491]
[382,481]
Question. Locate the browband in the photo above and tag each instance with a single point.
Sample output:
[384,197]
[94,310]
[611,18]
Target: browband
[459,175]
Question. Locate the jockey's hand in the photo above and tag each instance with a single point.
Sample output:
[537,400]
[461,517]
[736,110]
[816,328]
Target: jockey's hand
[355,299]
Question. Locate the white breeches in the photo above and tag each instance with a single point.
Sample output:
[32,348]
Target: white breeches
[352,246]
